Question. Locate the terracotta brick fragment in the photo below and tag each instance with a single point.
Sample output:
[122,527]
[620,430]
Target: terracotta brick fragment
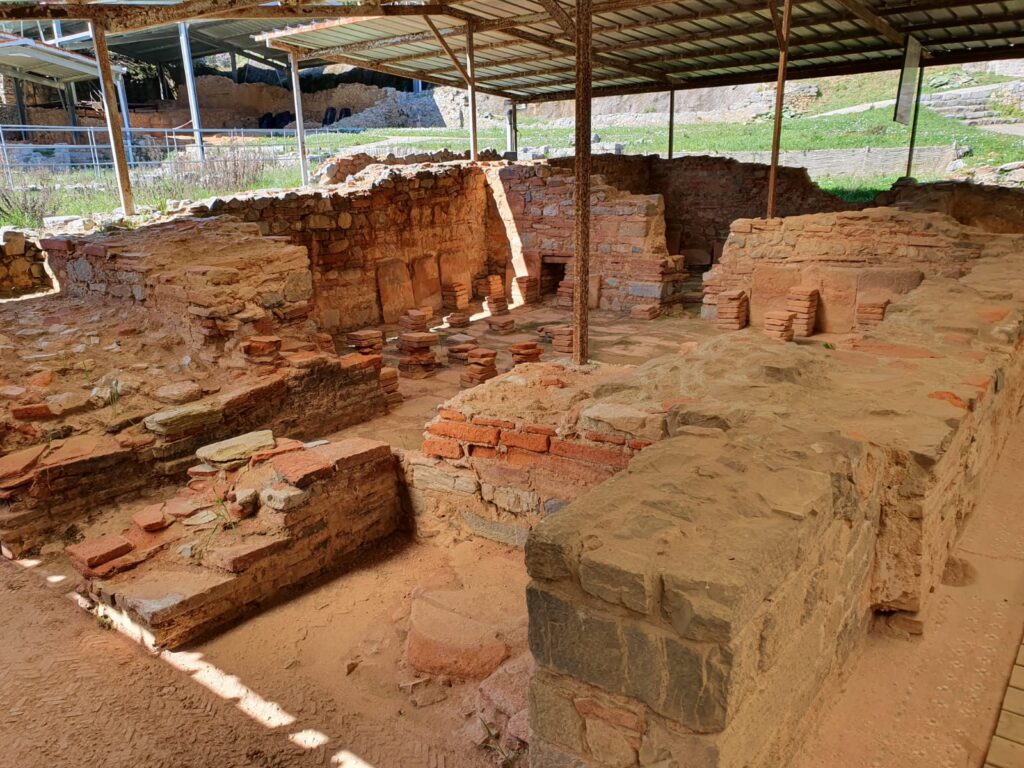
[439,446]
[489,422]
[467,433]
[540,429]
[151,518]
[589,453]
[599,437]
[449,415]
[98,551]
[531,442]
[950,398]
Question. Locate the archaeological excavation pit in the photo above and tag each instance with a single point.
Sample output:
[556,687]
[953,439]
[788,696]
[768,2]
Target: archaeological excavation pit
[330,444]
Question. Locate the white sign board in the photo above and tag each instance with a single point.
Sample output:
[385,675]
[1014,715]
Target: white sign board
[906,95]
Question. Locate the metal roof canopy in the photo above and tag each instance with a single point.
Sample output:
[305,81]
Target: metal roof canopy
[159,45]
[524,48]
[44,64]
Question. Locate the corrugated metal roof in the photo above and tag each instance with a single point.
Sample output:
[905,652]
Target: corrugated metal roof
[33,60]
[523,54]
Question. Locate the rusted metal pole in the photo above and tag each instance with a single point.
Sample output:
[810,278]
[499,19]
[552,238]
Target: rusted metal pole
[300,124]
[913,123]
[782,33]
[110,111]
[581,243]
[671,120]
[471,82]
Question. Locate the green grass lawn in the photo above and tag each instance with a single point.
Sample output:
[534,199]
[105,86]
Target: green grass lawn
[873,128]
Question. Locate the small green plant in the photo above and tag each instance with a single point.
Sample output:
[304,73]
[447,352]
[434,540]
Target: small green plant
[829,345]
[104,621]
[114,397]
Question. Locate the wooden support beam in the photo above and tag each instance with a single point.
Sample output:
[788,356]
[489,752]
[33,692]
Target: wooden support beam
[19,102]
[474,148]
[868,15]
[782,28]
[110,112]
[913,124]
[671,120]
[447,49]
[581,190]
[563,19]
[300,124]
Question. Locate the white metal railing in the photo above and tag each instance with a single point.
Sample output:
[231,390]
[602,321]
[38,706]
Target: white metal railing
[26,148]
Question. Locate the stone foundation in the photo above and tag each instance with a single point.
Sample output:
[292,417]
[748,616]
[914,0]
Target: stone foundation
[853,259]
[22,266]
[527,443]
[694,608]
[991,208]
[704,195]
[292,514]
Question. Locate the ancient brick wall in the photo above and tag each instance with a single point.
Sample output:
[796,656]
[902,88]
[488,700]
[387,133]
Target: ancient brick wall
[383,246]
[991,208]
[522,446]
[22,266]
[337,169]
[704,195]
[48,487]
[212,280]
[291,514]
[874,255]
[628,253]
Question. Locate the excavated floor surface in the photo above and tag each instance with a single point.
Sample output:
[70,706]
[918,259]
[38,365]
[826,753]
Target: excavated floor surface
[320,680]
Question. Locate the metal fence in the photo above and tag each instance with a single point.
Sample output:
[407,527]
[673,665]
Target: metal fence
[28,150]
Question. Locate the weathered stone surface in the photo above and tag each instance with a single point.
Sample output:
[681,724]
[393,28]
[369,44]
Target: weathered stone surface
[236,451]
[188,418]
[178,392]
[442,640]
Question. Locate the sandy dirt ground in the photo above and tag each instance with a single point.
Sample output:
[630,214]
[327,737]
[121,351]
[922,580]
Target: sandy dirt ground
[932,701]
[318,680]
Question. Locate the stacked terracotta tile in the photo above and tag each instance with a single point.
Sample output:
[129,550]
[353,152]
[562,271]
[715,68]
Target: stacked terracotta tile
[428,311]
[414,320]
[563,298]
[389,383]
[501,325]
[455,296]
[460,352]
[779,325]
[481,367]
[561,338]
[733,310]
[871,312]
[368,341]
[261,349]
[495,285]
[418,359]
[482,287]
[525,352]
[496,304]
[457,319]
[803,304]
[644,311]
[526,290]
